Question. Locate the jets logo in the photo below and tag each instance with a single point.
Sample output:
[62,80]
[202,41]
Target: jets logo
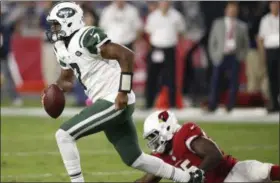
[66,13]
[163,116]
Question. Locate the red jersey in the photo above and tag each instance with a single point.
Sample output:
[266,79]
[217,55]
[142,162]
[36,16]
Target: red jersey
[183,156]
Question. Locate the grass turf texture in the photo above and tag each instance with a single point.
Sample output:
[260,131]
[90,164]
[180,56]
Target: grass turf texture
[29,151]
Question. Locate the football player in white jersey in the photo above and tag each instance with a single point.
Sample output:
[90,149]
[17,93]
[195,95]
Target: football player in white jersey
[105,69]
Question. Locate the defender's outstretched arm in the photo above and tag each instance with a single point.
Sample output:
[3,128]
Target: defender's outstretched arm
[209,153]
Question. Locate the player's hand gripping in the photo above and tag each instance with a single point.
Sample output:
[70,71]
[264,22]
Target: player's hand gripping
[197,176]
[121,100]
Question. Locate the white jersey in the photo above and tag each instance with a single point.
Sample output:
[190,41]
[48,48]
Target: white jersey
[99,77]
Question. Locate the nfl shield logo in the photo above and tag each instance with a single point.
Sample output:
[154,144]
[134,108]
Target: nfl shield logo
[78,53]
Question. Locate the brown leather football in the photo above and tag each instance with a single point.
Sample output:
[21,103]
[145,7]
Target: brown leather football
[54,101]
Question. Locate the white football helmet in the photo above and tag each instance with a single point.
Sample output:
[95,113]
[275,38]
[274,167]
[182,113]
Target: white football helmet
[159,128]
[65,19]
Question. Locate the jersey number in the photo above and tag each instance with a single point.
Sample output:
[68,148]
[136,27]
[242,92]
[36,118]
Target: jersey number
[77,70]
[187,164]
[96,35]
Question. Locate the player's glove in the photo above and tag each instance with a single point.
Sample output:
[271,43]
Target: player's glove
[197,176]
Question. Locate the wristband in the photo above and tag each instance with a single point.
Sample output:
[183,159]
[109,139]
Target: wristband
[126,82]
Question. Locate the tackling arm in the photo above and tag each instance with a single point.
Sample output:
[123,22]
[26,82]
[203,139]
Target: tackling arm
[208,151]
[148,178]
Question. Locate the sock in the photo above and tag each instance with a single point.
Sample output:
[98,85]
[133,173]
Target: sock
[156,166]
[275,173]
[70,155]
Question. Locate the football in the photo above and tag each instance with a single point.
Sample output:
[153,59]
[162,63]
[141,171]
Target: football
[53,101]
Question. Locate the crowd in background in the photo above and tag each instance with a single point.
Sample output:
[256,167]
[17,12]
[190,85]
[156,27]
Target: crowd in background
[227,33]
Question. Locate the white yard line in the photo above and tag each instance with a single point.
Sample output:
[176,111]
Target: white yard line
[252,115]
[110,152]
[45,175]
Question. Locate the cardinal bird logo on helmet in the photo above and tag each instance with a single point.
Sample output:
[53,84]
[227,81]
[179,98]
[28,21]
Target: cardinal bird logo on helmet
[163,116]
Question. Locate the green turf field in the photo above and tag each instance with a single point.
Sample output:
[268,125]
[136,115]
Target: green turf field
[29,151]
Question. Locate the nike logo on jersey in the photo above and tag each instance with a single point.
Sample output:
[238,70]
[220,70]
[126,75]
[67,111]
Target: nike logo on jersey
[91,34]
[192,127]
[78,53]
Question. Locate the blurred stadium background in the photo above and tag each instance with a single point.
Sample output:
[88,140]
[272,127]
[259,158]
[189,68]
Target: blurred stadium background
[250,130]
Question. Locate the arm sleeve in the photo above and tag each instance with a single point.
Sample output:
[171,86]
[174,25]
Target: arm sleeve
[63,65]
[61,59]
[192,131]
[93,38]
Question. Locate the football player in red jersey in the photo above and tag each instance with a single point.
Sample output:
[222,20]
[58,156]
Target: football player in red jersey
[188,147]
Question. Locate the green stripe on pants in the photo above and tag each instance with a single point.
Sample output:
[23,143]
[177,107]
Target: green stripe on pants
[93,119]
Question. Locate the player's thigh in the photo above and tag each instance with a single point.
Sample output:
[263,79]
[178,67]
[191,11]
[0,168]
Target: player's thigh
[91,119]
[124,138]
[249,171]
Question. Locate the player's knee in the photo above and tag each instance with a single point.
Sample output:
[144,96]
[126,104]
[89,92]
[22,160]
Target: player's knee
[130,159]
[128,150]
[63,136]
[259,171]
[129,155]
[137,162]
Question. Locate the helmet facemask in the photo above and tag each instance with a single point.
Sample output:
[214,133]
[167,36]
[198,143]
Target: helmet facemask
[55,33]
[165,136]
[159,129]
[159,140]
[153,140]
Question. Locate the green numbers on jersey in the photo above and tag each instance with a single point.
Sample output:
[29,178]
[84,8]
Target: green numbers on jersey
[76,68]
[92,38]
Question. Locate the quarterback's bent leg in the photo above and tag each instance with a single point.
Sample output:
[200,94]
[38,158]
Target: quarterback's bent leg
[87,122]
[124,138]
